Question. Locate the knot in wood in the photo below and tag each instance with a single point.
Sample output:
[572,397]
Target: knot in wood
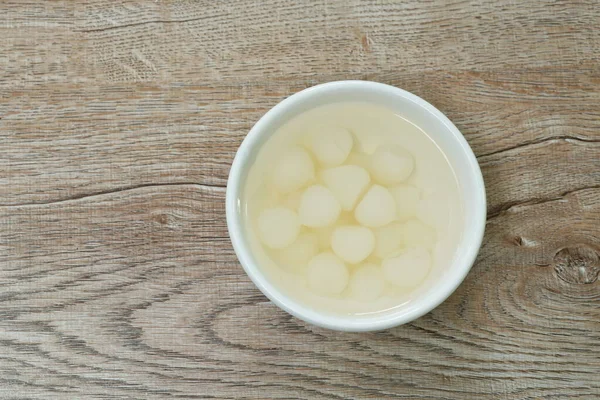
[578,264]
[162,219]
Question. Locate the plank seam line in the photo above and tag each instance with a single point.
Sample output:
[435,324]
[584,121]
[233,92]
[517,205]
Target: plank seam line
[113,191]
[503,208]
[565,138]
[109,28]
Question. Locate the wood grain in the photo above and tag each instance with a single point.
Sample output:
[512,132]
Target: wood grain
[118,123]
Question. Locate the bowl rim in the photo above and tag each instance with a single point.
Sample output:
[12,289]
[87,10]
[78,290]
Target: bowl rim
[420,306]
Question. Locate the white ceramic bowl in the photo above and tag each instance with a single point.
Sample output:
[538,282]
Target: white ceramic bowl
[419,112]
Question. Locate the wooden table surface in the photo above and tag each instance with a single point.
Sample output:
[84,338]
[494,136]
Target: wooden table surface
[119,121]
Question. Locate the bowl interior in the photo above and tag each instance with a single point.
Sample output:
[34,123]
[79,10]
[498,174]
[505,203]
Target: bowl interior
[422,114]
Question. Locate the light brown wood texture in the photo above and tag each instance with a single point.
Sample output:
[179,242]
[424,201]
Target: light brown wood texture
[118,124]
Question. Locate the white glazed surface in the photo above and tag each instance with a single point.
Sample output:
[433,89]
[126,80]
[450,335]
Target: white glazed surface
[426,117]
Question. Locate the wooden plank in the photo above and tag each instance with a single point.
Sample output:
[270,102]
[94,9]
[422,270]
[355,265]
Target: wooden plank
[246,40]
[71,141]
[138,294]
[204,43]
